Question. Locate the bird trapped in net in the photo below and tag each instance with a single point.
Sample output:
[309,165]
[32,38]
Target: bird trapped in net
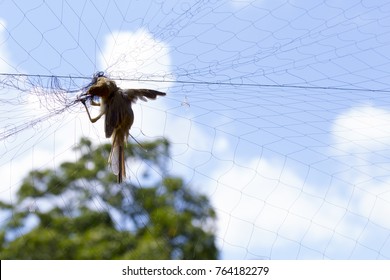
[115,104]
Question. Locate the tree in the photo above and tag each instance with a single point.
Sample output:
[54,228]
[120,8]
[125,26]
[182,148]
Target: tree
[78,212]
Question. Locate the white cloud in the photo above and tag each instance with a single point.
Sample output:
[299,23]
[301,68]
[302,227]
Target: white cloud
[360,129]
[136,55]
[362,134]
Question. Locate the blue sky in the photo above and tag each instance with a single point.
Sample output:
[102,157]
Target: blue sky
[278,110]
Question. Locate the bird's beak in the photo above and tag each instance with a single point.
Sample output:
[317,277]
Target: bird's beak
[83,96]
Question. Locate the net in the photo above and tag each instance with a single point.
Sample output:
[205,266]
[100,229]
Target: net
[277,110]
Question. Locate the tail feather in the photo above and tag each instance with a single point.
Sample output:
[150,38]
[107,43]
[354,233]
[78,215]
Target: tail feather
[117,157]
[122,169]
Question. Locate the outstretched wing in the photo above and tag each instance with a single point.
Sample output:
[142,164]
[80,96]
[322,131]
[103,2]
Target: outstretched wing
[143,94]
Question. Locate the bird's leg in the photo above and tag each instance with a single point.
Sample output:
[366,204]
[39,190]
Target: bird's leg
[93,120]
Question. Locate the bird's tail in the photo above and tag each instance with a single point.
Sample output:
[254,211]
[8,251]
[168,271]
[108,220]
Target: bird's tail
[117,155]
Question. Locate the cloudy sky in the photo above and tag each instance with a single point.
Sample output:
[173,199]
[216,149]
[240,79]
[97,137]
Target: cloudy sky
[277,110]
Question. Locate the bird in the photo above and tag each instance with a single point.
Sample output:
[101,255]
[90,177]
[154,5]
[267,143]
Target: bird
[115,104]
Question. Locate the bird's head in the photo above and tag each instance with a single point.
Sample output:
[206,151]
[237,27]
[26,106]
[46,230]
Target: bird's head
[104,87]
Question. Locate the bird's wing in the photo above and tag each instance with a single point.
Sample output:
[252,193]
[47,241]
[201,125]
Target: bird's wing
[118,109]
[143,94]
[111,120]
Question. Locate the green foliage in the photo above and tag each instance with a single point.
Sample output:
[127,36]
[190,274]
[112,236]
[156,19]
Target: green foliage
[80,212]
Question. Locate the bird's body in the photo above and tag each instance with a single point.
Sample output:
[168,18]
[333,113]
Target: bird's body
[115,104]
